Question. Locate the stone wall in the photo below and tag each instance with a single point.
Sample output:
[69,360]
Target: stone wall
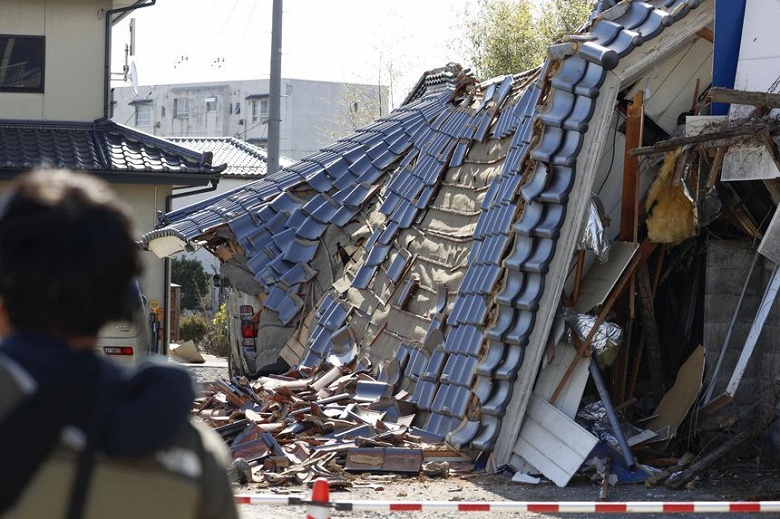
[728,267]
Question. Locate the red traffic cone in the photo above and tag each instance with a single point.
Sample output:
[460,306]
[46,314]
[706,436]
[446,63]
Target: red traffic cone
[319,508]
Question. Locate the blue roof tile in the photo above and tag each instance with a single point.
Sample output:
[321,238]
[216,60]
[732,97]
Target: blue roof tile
[386,176]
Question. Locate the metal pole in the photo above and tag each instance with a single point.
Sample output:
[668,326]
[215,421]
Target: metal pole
[611,415]
[275,90]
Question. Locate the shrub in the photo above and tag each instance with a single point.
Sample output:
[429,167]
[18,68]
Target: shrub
[215,341]
[189,273]
[193,328]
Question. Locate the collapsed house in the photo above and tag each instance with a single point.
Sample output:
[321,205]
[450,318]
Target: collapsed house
[497,254]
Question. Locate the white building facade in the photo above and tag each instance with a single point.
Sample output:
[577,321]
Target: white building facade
[313,113]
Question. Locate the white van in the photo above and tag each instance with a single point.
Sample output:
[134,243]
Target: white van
[126,342]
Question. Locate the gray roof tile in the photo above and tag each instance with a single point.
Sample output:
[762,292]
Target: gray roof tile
[100,146]
[410,161]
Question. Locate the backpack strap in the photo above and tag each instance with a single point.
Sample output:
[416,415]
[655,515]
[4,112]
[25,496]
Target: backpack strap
[30,432]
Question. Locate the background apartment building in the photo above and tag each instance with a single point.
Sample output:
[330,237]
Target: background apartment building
[313,113]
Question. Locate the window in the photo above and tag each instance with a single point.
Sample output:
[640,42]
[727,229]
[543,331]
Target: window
[143,115]
[181,107]
[211,104]
[260,110]
[238,108]
[21,63]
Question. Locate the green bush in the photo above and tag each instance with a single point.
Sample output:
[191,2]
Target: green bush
[216,341]
[189,273]
[193,328]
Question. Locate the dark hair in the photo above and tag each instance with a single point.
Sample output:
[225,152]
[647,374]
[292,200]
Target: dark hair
[67,256]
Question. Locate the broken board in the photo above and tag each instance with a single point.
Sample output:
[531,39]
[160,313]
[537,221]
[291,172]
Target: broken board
[602,277]
[676,403]
[552,442]
[568,400]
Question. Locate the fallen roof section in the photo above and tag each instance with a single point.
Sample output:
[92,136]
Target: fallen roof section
[462,210]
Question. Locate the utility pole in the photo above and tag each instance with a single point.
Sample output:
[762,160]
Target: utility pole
[275,90]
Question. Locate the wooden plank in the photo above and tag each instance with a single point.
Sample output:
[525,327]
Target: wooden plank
[570,397]
[629,200]
[645,250]
[770,244]
[552,442]
[742,97]
[602,277]
[714,139]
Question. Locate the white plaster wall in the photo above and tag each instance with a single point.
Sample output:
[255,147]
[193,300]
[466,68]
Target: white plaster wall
[313,113]
[73,77]
[758,70]
[758,67]
[144,201]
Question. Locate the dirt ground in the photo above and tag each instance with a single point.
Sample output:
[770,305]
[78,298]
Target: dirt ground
[737,480]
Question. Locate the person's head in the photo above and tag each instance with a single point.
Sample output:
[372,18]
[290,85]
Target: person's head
[67,255]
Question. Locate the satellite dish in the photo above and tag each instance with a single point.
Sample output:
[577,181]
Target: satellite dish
[134,77]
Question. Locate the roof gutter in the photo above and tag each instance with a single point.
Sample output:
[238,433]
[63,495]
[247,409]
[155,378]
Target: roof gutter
[107,57]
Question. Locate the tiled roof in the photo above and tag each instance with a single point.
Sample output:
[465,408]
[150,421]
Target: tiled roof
[243,160]
[463,192]
[100,146]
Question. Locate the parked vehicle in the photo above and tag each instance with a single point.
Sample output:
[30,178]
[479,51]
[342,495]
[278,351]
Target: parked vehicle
[127,341]
[242,333]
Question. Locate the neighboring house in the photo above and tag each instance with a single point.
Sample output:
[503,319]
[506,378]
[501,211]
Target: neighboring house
[54,107]
[243,162]
[443,242]
[313,113]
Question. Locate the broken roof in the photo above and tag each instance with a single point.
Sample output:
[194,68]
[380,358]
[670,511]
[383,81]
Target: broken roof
[462,208]
[101,147]
[243,160]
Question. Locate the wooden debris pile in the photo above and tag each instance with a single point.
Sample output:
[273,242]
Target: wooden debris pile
[295,427]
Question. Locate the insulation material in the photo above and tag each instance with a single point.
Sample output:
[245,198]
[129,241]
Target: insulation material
[605,341]
[671,212]
[593,236]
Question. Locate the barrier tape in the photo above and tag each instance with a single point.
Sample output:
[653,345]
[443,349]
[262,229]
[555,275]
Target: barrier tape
[522,506]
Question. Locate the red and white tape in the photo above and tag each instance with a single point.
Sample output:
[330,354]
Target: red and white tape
[528,506]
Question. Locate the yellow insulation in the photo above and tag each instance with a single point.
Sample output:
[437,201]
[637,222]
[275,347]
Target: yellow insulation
[671,212]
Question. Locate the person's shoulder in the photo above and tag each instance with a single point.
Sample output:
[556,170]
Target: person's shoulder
[198,437]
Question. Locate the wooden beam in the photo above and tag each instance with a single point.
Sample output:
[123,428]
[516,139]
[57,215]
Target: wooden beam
[628,207]
[732,446]
[707,34]
[743,97]
[713,138]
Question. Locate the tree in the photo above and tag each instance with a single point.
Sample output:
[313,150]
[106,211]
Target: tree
[511,36]
[190,274]
[358,106]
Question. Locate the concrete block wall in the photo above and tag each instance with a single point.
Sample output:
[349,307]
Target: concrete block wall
[728,266]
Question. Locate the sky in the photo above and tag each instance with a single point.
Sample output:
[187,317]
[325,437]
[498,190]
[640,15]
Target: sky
[360,41]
